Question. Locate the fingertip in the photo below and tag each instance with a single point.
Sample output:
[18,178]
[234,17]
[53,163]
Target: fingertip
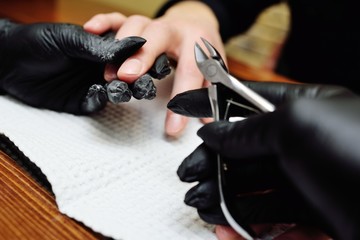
[227,233]
[130,70]
[101,22]
[93,26]
[175,124]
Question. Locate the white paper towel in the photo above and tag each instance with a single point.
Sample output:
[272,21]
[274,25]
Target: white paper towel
[116,171]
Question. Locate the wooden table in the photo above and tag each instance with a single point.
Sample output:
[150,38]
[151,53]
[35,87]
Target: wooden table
[28,210]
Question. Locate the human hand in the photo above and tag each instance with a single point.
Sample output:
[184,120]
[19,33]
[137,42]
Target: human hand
[301,160]
[175,34]
[60,66]
[297,232]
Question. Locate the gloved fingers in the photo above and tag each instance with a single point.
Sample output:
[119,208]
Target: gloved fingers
[143,88]
[192,103]
[249,138]
[161,67]
[95,100]
[115,51]
[78,43]
[273,206]
[213,215]
[206,193]
[259,174]
[203,195]
[195,103]
[276,206]
[118,92]
[199,165]
[248,175]
[108,35]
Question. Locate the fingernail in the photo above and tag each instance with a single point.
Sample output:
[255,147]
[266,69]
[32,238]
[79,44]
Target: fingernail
[174,125]
[161,67]
[130,67]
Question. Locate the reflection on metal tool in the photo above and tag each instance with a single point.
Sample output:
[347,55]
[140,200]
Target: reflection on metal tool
[214,70]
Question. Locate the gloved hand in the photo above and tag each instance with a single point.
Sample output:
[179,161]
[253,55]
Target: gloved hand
[298,164]
[60,66]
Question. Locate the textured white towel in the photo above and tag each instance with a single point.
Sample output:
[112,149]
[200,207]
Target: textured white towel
[116,171]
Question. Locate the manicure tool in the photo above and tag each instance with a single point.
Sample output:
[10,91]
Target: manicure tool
[214,70]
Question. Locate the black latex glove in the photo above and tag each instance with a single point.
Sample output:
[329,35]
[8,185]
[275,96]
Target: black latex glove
[60,67]
[304,158]
[142,88]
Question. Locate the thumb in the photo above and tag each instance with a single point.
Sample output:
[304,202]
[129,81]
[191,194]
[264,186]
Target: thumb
[78,43]
[113,50]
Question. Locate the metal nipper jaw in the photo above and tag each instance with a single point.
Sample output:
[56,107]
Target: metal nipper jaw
[214,70]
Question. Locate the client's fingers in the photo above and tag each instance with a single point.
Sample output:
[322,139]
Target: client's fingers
[158,42]
[101,23]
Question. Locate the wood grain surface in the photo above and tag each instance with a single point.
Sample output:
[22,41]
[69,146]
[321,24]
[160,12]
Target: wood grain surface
[28,211]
